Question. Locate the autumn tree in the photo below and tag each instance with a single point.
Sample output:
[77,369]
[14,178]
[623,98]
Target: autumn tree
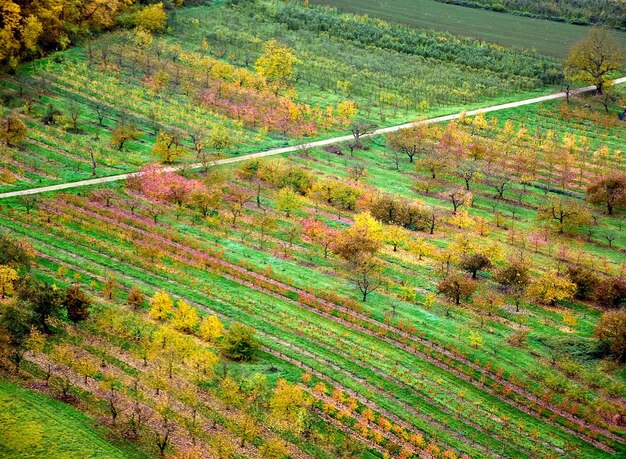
[276,63]
[168,147]
[593,58]
[77,304]
[14,252]
[611,291]
[8,276]
[320,233]
[12,129]
[611,330]
[457,288]
[288,201]
[586,281]
[562,214]
[122,134]
[240,343]
[211,329]
[411,141]
[135,298]
[551,287]
[608,190]
[185,317]
[152,18]
[288,406]
[475,262]
[161,305]
[360,129]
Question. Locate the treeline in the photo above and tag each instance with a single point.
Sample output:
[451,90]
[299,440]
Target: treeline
[33,28]
[610,13]
[442,47]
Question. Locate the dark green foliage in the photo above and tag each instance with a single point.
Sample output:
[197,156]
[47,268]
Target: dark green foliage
[240,343]
[16,319]
[574,347]
[44,299]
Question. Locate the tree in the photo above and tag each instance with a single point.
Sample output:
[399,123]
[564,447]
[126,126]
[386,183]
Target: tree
[457,288]
[211,329]
[152,18]
[161,305]
[594,57]
[288,406]
[609,190]
[551,287]
[288,201]
[77,304]
[276,63]
[411,141]
[167,147]
[359,129]
[564,215]
[611,291]
[12,129]
[240,343]
[586,281]
[514,279]
[8,276]
[16,319]
[122,134]
[235,200]
[611,330]
[365,273]
[473,263]
[135,298]
[14,253]
[320,233]
[185,317]
[45,299]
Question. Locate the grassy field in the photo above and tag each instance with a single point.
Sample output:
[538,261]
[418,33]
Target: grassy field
[406,354]
[546,37]
[35,425]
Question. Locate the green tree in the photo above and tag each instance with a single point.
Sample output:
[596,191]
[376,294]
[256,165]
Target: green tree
[240,343]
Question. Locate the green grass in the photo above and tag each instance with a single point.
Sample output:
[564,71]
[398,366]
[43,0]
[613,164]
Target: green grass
[33,425]
[546,37]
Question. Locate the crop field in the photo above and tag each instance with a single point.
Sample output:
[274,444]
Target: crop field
[405,372]
[99,110]
[34,425]
[547,37]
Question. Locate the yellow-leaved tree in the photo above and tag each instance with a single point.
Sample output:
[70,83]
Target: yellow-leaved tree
[592,59]
[211,328]
[161,305]
[7,278]
[276,63]
[185,317]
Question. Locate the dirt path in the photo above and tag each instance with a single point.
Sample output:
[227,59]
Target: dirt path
[316,144]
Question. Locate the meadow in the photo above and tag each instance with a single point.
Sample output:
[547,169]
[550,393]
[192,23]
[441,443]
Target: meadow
[34,425]
[406,372]
[546,37]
